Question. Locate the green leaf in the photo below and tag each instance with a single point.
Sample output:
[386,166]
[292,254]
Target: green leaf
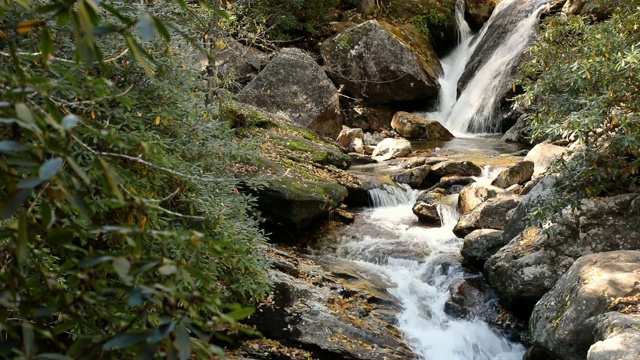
[47,214]
[50,168]
[46,44]
[52,356]
[12,203]
[105,29]
[146,26]
[28,339]
[125,340]
[183,342]
[122,266]
[161,332]
[162,30]
[24,113]
[138,54]
[111,185]
[241,313]
[96,261]
[136,297]
[30,183]
[22,248]
[79,171]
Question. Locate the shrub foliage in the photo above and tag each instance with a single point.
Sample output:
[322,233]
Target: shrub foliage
[582,84]
[121,229]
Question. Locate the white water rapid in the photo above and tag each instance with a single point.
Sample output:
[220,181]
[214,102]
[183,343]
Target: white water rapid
[423,263]
[476,110]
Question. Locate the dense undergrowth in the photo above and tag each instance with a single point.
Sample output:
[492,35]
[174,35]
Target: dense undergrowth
[122,230]
[582,85]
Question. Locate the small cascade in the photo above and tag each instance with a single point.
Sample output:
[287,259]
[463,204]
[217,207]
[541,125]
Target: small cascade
[391,195]
[476,110]
[488,174]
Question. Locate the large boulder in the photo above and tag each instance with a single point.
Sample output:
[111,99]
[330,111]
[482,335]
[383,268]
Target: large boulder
[518,174]
[600,9]
[414,127]
[475,194]
[543,155]
[563,321]
[390,148]
[369,118]
[477,12]
[238,63]
[294,85]
[617,336]
[372,62]
[434,17]
[491,214]
[481,244]
[529,266]
[356,312]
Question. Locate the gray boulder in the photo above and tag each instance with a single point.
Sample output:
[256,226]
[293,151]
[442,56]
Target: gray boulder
[239,63]
[369,118]
[534,197]
[373,62]
[480,245]
[475,194]
[294,85]
[563,321]
[411,126]
[518,133]
[413,177]
[515,175]
[491,214]
[543,155]
[390,148]
[529,266]
[617,336]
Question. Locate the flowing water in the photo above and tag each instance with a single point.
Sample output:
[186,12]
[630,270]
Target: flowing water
[423,263]
[476,110]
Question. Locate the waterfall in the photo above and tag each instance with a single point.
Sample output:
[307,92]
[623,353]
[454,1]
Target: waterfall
[476,110]
[391,195]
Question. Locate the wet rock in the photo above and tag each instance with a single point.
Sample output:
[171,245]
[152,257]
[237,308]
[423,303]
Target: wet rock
[531,263]
[413,162]
[414,127]
[293,84]
[369,118]
[617,337]
[353,308]
[454,168]
[413,177]
[391,148]
[475,194]
[372,62]
[348,139]
[360,159]
[543,155]
[452,182]
[480,245]
[599,9]
[477,12]
[294,204]
[426,207]
[515,175]
[467,297]
[563,321]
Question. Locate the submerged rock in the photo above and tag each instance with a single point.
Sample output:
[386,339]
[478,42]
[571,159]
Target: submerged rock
[413,177]
[563,321]
[294,85]
[372,62]
[414,127]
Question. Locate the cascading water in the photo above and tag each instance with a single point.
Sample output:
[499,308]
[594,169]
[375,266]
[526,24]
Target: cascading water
[423,264]
[476,110]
